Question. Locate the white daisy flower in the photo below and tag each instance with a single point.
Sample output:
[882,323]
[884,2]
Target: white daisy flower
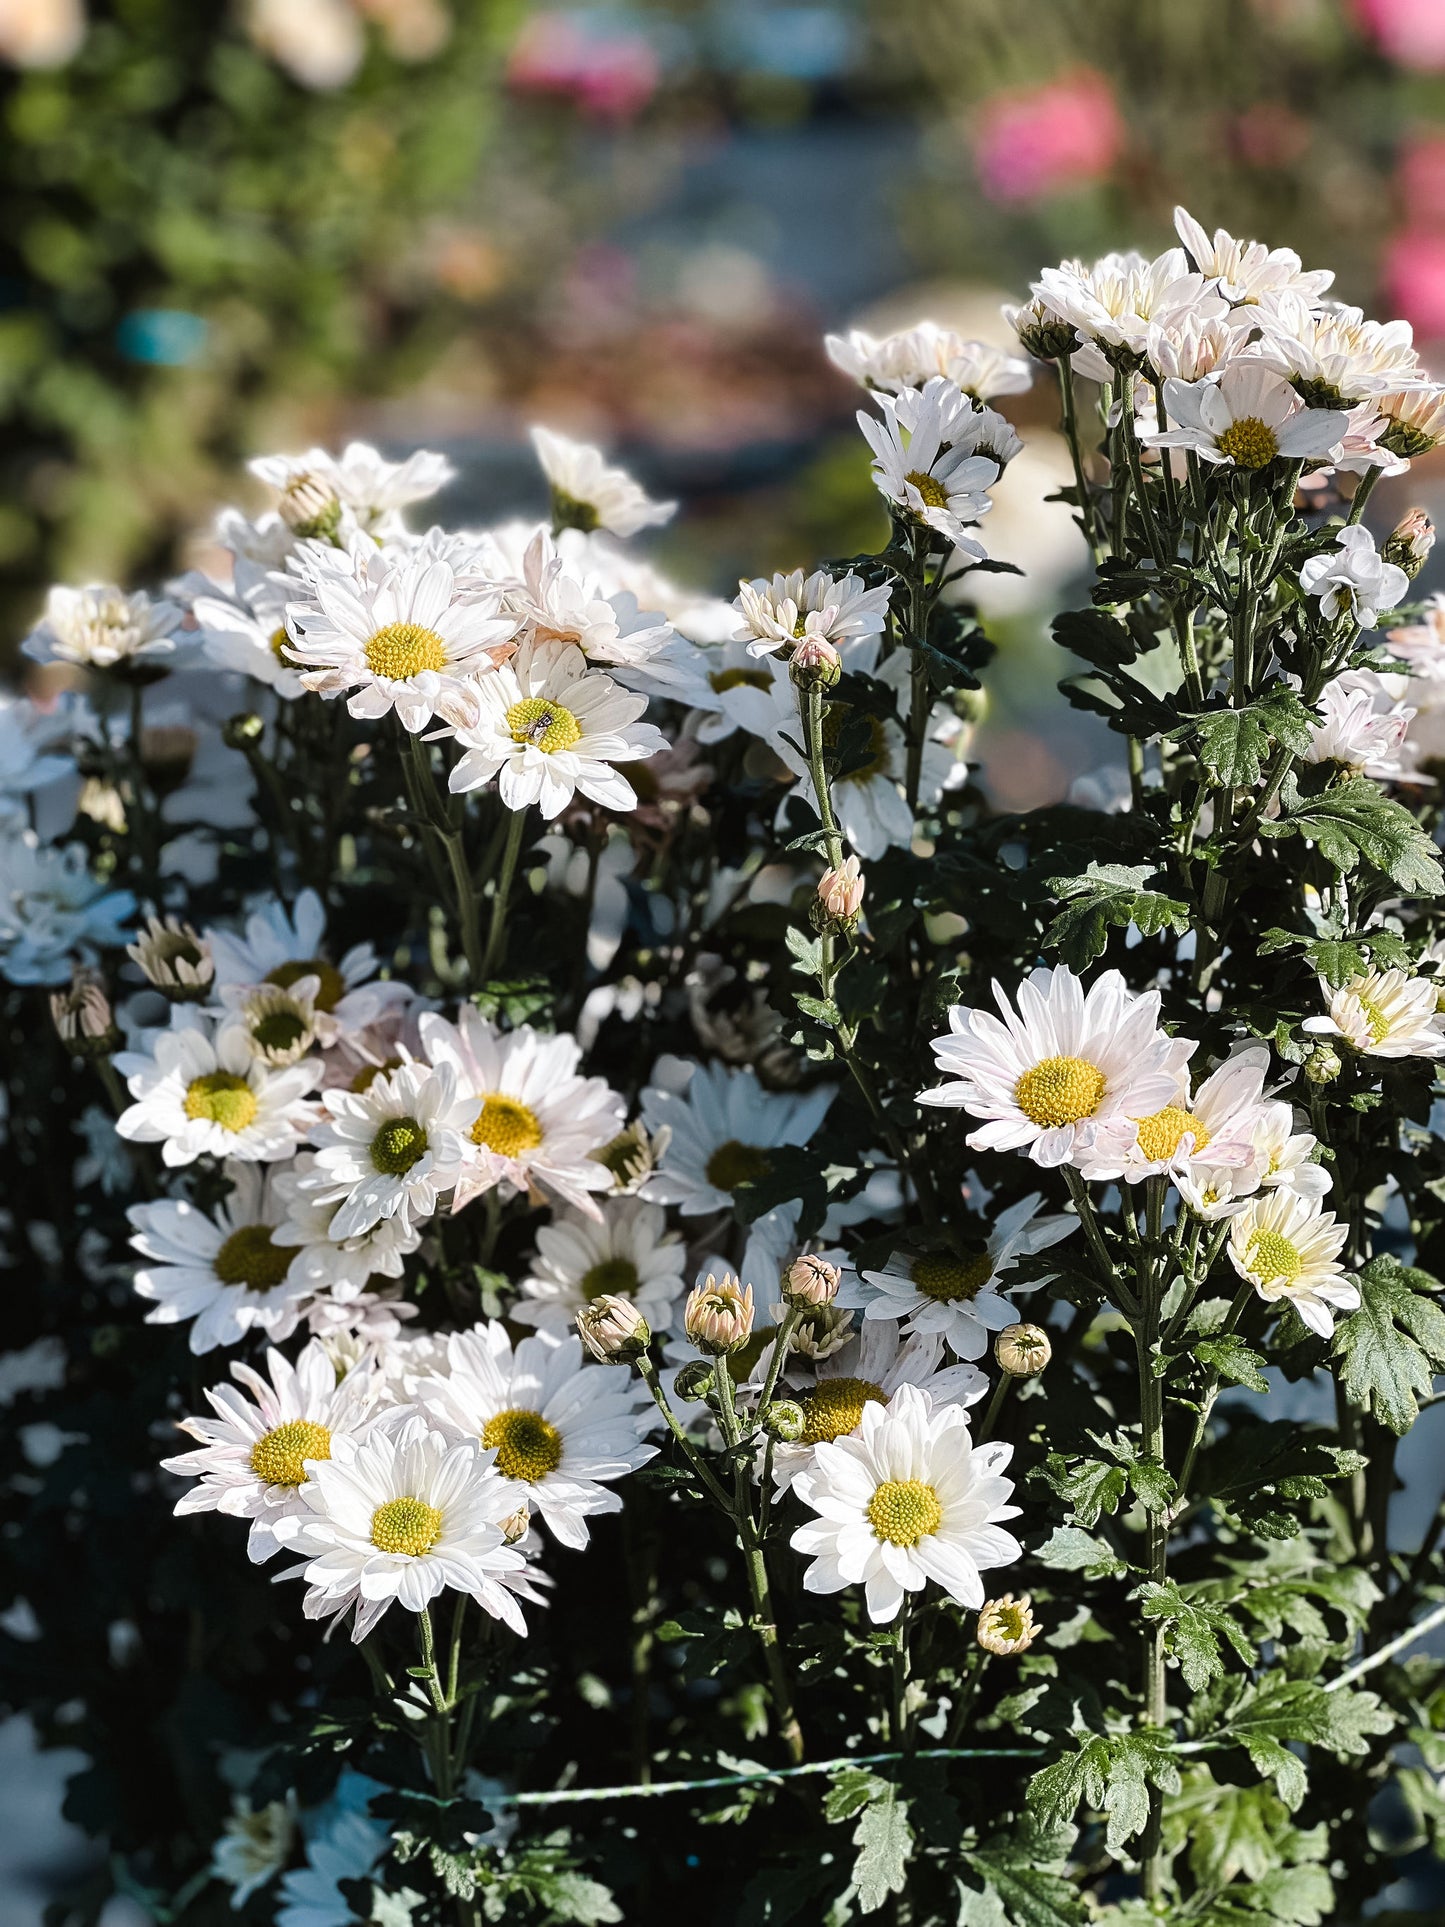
[1335,356]
[283,947]
[1352,579]
[254,1455]
[1247,272]
[29,735]
[1215,1127]
[547,726]
[925,461]
[279,1026]
[959,1297]
[1246,417]
[1360,727]
[906,1500]
[341,1268]
[628,1253]
[395,630]
[1284,1156]
[246,631]
[374,1317]
[200,1089]
[561,1430]
[1186,348]
[1113,302]
[53,912]
[1287,1247]
[558,603]
[398,1518]
[324,497]
[101,627]
[1414,419]
[392,1150]
[833,609]
[588,495]
[538,1122]
[915,355]
[1063,1071]
[1383,1013]
[253,1845]
[229,1272]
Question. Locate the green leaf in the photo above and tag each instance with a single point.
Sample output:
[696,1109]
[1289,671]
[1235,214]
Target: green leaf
[850,1790]
[1193,1632]
[1234,744]
[1111,1773]
[1016,1894]
[1068,1549]
[1233,1360]
[1351,821]
[1108,895]
[1392,1344]
[1089,1486]
[884,1839]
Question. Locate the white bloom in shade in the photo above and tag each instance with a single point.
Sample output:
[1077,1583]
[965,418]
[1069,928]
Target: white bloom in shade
[867,1370]
[281,947]
[227,1273]
[1287,1248]
[199,1089]
[588,495]
[397,1518]
[100,627]
[1353,579]
[960,1296]
[53,912]
[1360,727]
[561,1430]
[1248,417]
[1063,1070]
[29,733]
[175,958]
[254,1455]
[399,631]
[323,496]
[254,1844]
[627,1253]
[925,461]
[1215,1127]
[915,355]
[538,1122]
[1114,301]
[392,1150]
[341,1268]
[906,1499]
[279,1025]
[349,1845]
[1247,272]
[778,613]
[246,630]
[1384,1013]
[547,727]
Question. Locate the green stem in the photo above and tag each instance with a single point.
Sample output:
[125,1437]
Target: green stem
[1362,495]
[1071,436]
[1151,1428]
[995,1406]
[689,1451]
[501,899]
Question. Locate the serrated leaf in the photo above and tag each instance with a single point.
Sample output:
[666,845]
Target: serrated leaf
[1108,896]
[1069,1549]
[884,1839]
[1194,1630]
[1392,1344]
[1233,1361]
[1352,821]
[849,1791]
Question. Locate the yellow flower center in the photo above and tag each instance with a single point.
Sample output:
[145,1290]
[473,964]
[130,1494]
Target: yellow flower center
[732,1164]
[405,649]
[221,1097]
[280,640]
[929,487]
[725,679]
[1006,1620]
[1273,1256]
[617,1276]
[368,1074]
[527,1446]
[251,1257]
[1160,1134]
[903,1511]
[1059,1090]
[406,1525]
[330,984]
[280,1457]
[506,1126]
[1373,1012]
[279,1030]
[397,1145]
[1249,442]
[546,725]
[836,1407]
[948,1279]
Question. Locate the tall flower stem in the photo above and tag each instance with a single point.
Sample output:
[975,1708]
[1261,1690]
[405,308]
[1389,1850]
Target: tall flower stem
[502,897]
[446,848]
[1071,436]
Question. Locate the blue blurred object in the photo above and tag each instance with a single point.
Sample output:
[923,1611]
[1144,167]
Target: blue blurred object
[162,337]
[796,43]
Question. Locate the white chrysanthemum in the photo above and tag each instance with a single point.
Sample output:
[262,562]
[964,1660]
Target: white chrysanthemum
[1247,272]
[253,1845]
[629,1253]
[1214,1127]
[253,1455]
[1287,1248]
[1335,356]
[100,627]
[282,947]
[392,1150]
[925,461]
[1113,302]
[342,1268]
[547,726]
[833,609]
[348,1845]
[245,630]
[1361,727]
[1284,1156]
[960,1297]
[1414,418]
[536,1122]
[905,1500]
[1384,1013]
[558,603]
[279,1026]
[915,355]
[29,734]
[228,1273]
[1063,1072]
[561,1430]
[325,497]
[1187,349]
[396,1519]
[53,912]
[200,1089]
[1353,579]
[587,494]
[1246,417]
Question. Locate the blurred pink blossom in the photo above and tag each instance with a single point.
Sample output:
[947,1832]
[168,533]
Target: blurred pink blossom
[1034,142]
[609,73]
[1410,31]
[1413,275]
[1420,177]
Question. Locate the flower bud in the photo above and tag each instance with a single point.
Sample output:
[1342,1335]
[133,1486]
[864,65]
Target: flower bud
[1023,1350]
[695,1380]
[1323,1065]
[820,1333]
[815,664]
[613,1329]
[1006,1625]
[310,508]
[517,1525]
[1409,544]
[83,1018]
[809,1282]
[785,1420]
[1042,333]
[841,891]
[719,1315]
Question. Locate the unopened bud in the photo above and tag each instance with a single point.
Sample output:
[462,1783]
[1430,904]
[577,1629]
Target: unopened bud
[1007,1625]
[718,1317]
[83,1018]
[785,1420]
[815,664]
[1023,1350]
[175,958]
[820,1333]
[1323,1065]
[1042,333]
[1409,544]
[310,508]
[517,1525]
[613,1329]
[809,1282]
[841,891]
[695,1380]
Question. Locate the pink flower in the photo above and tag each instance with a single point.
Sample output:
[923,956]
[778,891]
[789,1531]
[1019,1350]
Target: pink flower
[1034,142]
[1410,31]
[1413,275]
[1420,178]
[610,74]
